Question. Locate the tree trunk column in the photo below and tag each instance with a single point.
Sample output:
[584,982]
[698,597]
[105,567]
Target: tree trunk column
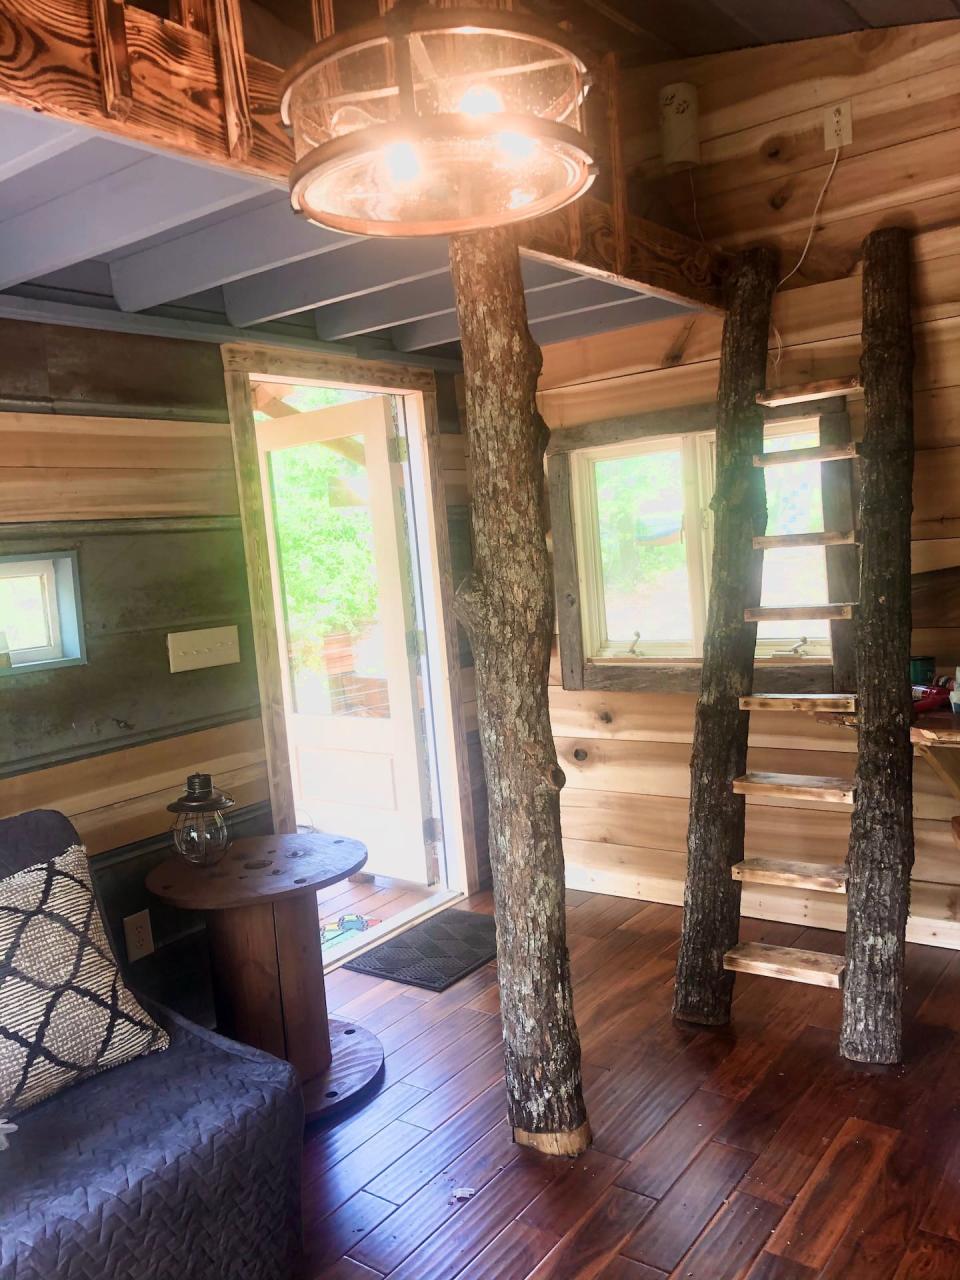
[507,608]
[881,836]
[711,907]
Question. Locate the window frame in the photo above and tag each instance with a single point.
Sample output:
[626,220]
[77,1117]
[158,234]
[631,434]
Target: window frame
[596,643]
[568,458]
[59,572]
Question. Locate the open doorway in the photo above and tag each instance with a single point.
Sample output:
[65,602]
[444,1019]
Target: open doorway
[342,484]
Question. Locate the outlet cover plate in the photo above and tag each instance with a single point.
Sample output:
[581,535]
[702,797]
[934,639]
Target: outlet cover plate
[838,126]
[211,647]
[138,935]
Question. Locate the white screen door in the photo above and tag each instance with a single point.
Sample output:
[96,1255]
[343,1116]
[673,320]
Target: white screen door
[343,601]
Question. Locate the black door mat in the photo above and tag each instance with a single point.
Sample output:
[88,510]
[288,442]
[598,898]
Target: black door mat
[435,954]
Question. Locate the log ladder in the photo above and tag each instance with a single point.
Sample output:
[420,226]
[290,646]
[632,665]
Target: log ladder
[836,451]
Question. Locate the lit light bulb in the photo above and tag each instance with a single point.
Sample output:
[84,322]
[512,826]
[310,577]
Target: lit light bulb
[402,161]
[515,147]
[480,100]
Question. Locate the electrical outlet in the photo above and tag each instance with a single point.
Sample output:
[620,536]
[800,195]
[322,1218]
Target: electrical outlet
[838,126]
[138,935]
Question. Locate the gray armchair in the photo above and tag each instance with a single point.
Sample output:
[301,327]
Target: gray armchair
[182,1165]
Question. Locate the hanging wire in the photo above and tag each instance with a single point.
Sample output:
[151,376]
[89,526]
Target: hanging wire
[696,215]
[806,249]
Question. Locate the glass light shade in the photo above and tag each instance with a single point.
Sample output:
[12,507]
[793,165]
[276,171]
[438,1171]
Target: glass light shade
[434,121]
[200,832]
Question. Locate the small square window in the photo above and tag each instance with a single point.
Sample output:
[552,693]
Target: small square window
[40,619]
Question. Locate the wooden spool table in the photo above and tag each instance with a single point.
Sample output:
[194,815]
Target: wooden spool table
[263,925]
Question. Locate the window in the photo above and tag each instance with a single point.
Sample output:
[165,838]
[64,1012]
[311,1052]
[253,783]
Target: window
[644,543]
[40,624]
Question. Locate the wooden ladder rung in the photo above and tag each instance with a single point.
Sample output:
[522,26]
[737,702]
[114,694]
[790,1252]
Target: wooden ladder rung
[795,786]
[773,542]
[797,875]
[818,453]
[800,613]
[772,397]
[799,702]
[791,963]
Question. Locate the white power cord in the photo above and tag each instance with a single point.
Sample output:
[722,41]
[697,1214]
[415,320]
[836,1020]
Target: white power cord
[813,220]
[806,248]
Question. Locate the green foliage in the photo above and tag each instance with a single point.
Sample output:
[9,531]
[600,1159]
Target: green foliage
[639,499]
[324,536]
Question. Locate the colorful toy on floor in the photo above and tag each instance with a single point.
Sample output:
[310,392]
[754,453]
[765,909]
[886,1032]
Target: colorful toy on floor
[336,931]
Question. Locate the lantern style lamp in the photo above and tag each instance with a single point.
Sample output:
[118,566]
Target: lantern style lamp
[434,121]
[200,832]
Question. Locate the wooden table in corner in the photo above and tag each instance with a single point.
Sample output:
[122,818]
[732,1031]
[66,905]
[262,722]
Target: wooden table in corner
[263,925]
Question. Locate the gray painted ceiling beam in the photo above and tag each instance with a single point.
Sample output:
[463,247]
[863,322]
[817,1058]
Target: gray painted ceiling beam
[364,267]
[46,311]
[250,241]
[417,300]
[583,324]
[27,140]
[143,199]
[571,299]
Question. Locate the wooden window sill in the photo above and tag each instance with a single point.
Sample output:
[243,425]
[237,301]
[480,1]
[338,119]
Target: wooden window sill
[815,675]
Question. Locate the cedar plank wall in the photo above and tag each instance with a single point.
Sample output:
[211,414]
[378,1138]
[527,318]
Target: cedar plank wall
[625,804]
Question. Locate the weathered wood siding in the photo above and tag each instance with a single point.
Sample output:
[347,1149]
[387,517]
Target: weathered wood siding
[147,499]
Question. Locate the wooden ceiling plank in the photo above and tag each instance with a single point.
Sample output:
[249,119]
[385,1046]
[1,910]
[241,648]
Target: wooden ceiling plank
[893,13]
[602,320]
[253,240]
[357,269]
[143,199]
[573,298]
[695,27]
[779,22]
[417,300]
[29,140]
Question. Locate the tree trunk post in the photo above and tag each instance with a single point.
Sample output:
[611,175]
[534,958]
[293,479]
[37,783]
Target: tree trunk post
[881,835]
[507,608]
[711,908]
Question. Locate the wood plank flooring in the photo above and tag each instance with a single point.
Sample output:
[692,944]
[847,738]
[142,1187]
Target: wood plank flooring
[748,1153]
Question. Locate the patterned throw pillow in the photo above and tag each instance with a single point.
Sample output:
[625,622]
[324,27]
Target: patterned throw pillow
[65,1012]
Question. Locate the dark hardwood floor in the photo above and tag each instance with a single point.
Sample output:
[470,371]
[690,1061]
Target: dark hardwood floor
[750,1153]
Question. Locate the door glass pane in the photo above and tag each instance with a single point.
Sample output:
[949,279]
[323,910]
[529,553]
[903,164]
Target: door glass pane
[794,575]
[646,591]
[328,578]
[24,617]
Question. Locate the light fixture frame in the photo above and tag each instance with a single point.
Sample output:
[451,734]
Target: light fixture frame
[394,29]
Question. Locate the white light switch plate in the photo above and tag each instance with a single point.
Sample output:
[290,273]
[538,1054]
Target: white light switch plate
[212,647]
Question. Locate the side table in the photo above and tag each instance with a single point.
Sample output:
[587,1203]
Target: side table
[263,925]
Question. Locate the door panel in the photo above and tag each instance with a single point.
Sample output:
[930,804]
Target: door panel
[341,576]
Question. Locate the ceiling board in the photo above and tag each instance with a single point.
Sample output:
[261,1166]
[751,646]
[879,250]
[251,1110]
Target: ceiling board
[649,30]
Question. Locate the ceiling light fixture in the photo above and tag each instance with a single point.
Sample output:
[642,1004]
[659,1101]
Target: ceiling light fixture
[420,123]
